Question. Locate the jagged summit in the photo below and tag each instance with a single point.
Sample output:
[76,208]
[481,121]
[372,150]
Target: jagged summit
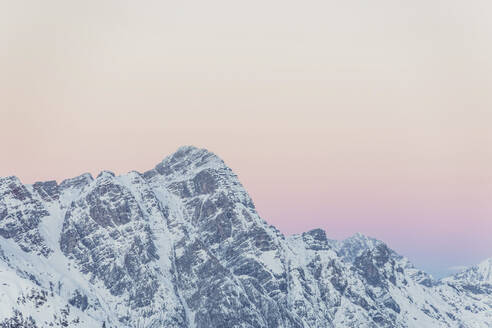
[316,239]
[362,239]
[485,269]
[182,246]
[354,246]
[9,179]
[477,274]
[186,161]
[76,182]
[106,174]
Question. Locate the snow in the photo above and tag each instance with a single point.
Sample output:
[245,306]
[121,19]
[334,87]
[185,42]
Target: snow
[323,285]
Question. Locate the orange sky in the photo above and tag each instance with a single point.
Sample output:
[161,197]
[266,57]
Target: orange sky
[349,115]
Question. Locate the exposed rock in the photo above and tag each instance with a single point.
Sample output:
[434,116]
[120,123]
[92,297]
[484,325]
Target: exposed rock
[182,245]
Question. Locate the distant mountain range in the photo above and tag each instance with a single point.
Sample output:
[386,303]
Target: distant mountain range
[182,245]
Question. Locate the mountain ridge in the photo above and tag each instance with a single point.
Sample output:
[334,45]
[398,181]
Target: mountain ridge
[181,245]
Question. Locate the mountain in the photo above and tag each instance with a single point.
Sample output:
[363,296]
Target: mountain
[182,245]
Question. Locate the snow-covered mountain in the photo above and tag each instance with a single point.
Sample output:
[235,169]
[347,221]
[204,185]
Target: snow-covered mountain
[183,246]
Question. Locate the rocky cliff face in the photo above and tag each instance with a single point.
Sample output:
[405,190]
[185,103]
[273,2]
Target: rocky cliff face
[181,245]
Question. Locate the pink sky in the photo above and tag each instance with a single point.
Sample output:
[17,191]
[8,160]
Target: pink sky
[335,114]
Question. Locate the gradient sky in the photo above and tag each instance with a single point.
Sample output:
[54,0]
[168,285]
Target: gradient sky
[353,116]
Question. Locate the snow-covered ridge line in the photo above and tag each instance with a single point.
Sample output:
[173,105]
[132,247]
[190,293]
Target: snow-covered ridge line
[182,245]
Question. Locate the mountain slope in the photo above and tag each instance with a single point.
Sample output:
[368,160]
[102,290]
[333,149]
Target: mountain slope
[182,245]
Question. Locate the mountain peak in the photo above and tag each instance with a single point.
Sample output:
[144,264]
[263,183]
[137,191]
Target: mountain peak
[361,240]
[477,274]
[9,180]
[316,239]
[182,246]
[193,154]
[188,160]
[352,247]
[105,174]
[81,180]
[189,148]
